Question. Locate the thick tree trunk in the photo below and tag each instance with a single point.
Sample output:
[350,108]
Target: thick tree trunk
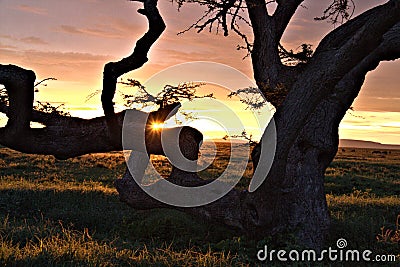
[293,198]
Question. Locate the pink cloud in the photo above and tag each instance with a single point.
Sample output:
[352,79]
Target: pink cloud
[31,9]
[26,40]
[65,66]
[103,33]
[33,40]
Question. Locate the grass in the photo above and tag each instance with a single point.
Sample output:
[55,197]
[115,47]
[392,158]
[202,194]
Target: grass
[67,213]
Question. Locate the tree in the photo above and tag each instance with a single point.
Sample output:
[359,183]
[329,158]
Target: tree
[310,97]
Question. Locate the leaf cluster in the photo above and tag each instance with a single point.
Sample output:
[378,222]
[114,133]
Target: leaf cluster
[243,135]
[338,12]
[250,96]
[49,108]
[46,107]
[291,58]
[168,95]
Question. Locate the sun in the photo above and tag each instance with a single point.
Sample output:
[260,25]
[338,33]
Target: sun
[157,126]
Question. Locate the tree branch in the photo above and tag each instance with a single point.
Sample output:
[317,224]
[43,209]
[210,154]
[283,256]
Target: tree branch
[113,70]
[348,87]
[19,84]
[320,130]
[225,210]
[66,137]
[328,67]
[336,38]
[283,13]
[49,119]
[267,65]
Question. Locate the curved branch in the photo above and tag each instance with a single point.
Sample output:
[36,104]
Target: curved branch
[328,67]
[226,210]
[113,70]
[349,86]
[267,65]
[320,129]
[284,12]
[336,38]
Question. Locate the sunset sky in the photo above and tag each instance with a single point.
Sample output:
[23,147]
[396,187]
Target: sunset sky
[72,40]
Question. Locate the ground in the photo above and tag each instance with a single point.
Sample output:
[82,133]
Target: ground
[67,213]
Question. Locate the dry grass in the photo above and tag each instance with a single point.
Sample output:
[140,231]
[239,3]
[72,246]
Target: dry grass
[67,213]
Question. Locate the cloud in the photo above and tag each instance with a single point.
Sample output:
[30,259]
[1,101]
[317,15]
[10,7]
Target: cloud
[125,26]
[33,40]
[3,46]
[114,28]
[90,31]
[31,9]
[77,74]
[70,29]
[381,104]
[65,66]
[26,40]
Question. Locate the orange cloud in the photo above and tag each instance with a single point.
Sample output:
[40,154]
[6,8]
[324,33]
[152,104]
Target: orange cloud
[26,40]
[65,66]
[31,9]
[88,31]
[33,40]
[113,28]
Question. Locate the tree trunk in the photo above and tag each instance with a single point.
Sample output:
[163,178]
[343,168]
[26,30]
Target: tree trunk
[292,200]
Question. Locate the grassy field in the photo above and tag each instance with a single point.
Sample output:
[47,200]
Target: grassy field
[67,213]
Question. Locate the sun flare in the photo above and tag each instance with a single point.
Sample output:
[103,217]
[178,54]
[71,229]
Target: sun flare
[157,126]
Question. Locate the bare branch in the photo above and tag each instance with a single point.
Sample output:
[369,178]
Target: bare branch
[206,14]
[330,64]
[169,95]
[283,13]
[292,58]
[42,81]
[243,135]
[250,96]
[113,70]
[47,107]
[338,12]
[349,86]
[217,13]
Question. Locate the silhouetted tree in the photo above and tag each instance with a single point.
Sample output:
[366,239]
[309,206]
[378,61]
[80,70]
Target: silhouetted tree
[310,96]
